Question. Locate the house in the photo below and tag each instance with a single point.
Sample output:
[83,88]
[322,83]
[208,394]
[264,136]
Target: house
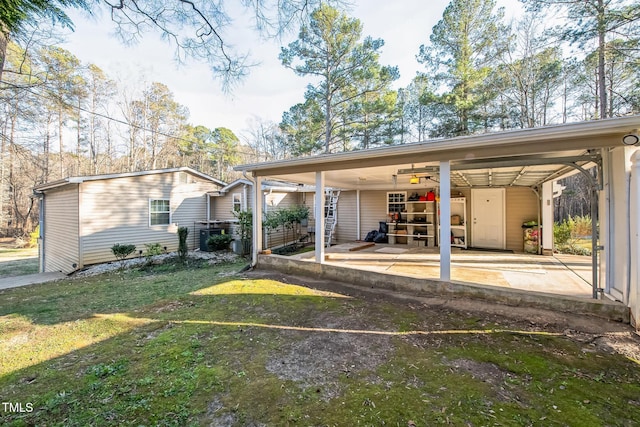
[238,196]
[500,179]
[81,218]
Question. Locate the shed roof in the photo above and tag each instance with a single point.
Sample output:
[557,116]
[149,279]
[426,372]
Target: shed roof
[525,157]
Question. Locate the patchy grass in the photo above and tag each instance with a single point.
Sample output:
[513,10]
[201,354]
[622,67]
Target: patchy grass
[18,262]
[206,346]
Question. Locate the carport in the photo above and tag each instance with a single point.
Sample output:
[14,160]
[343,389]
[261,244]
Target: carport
[531,158]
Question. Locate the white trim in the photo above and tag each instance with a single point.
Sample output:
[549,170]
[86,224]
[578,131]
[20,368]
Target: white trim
[149,211]
[239,202]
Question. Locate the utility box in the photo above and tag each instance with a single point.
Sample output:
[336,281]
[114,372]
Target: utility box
[205,233]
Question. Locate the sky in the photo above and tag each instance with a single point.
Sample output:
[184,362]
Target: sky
[270,89]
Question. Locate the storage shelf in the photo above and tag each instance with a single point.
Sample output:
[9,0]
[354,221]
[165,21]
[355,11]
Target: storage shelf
[459,208]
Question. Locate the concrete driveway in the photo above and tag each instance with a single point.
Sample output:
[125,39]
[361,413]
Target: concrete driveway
[30,279]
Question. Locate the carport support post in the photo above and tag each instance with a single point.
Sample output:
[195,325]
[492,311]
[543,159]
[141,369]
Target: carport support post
[319,216]
[445,220]
[257,218]
[634,231]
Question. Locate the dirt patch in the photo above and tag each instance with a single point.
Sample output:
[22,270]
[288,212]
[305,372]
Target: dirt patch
[593,332]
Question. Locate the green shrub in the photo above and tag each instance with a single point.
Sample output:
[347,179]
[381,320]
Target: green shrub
[217,242]
[568,235]
[561,232]
[122,251]
[153,249]
[183,249]
[33,237]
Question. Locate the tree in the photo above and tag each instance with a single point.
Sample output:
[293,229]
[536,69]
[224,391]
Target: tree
[529,77]
[64,82]
[414,111]
[226,151]
[100,91]
[329,49]
[196,28]
[593,25]
[15,15]
[303,127]
[463,44]
[266,140]
[197,149]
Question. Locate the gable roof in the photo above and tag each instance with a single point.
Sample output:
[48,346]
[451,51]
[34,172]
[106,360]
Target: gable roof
[81,179]
[266,185]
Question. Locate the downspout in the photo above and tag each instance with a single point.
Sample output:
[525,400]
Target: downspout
[208,209]
[40,196]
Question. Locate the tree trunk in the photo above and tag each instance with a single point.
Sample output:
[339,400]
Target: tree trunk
[602,84]
[4,41]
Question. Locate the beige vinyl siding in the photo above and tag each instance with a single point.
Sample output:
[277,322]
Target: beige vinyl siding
[521,205]
[117,211]
[61,249]
[347,217]
[373,209]
[222,206]
[274,202]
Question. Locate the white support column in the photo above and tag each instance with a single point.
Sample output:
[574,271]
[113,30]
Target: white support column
[547,218]
[358,215]
[445,220]
[319,215]
[257,218]
[634,234]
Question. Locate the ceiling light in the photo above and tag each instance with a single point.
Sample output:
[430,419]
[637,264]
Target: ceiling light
[631,138]
[414,180]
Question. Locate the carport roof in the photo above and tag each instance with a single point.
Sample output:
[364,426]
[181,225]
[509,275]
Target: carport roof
[524,157]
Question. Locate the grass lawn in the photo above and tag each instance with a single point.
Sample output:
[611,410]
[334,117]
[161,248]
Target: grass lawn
[208,346]
[16,262]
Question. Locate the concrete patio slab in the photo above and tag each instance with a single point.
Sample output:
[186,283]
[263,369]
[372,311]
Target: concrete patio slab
[568,275]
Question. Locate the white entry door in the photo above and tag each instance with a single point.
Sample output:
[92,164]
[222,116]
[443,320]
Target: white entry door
[488,218]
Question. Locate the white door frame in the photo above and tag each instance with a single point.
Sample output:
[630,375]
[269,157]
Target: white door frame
[475,192]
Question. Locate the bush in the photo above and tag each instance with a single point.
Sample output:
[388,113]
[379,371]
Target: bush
[122,251]
[183,249]
[217,242]
[33,237]
[568,235]
[153,249]
[561,232]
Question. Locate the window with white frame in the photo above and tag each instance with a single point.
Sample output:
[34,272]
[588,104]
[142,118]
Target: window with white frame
[237,202]
[159,212]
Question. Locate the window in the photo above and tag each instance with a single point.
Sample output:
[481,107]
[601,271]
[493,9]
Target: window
[396,202]
[159,212]
[237,202]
